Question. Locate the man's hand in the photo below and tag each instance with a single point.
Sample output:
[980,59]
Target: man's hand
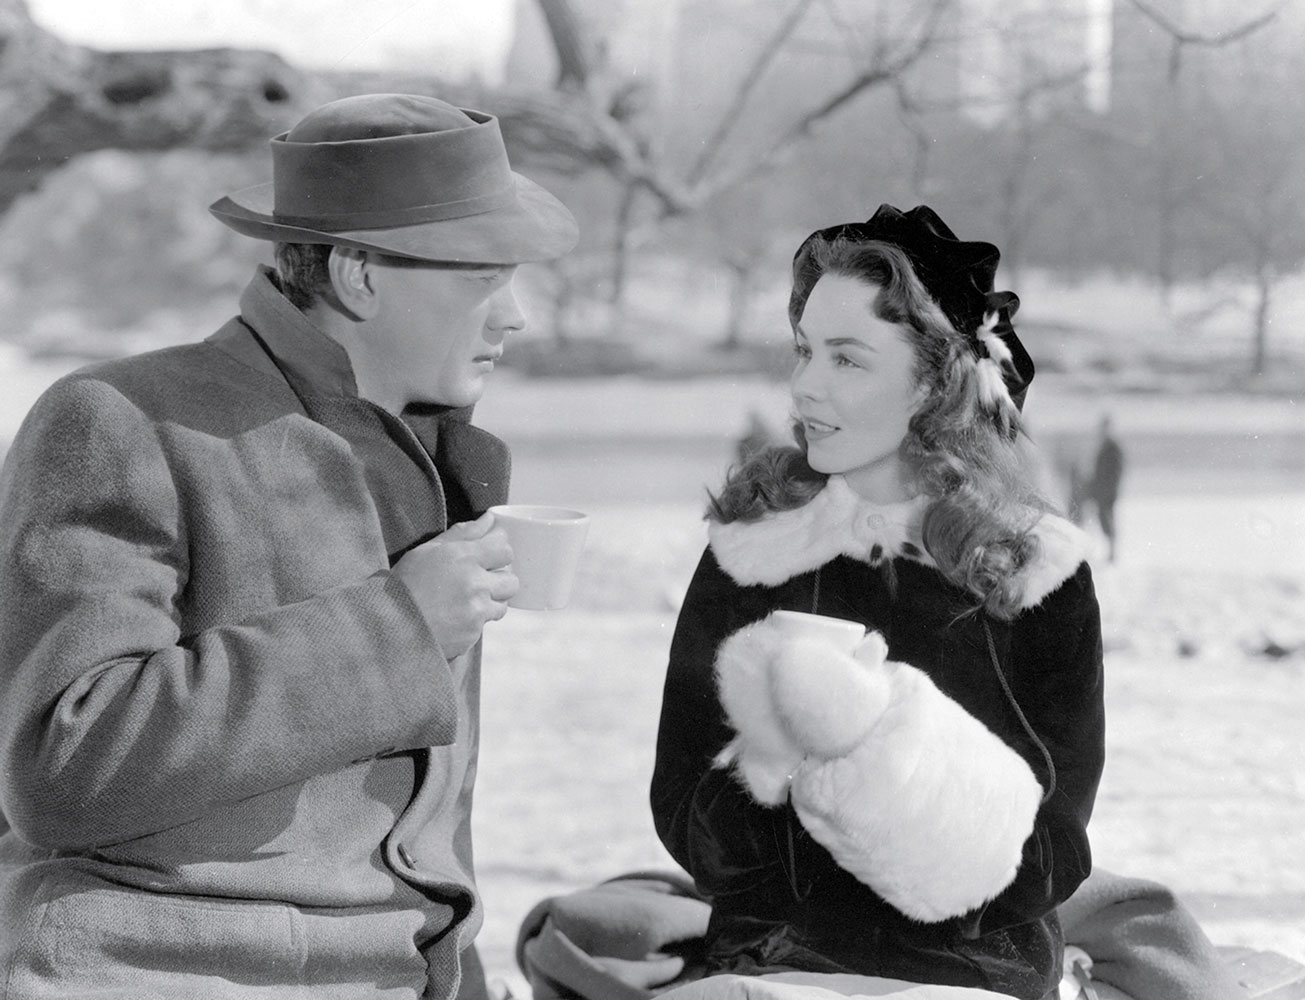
[460,581]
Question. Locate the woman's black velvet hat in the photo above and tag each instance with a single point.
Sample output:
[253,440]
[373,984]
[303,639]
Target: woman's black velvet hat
[958,274]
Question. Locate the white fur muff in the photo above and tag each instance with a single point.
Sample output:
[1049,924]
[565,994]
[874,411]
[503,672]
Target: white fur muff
[907,791]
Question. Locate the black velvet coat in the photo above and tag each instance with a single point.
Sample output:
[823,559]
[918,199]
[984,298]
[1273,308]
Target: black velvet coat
[780,901]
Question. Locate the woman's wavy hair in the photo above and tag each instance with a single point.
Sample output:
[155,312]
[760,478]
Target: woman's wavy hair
[980,478]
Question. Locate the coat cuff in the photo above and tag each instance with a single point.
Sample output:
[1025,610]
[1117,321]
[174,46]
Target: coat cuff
[931,810]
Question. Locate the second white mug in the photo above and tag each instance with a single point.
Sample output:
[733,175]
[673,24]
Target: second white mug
[845,634]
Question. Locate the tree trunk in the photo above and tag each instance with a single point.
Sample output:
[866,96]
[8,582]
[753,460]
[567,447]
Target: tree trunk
[1263,305]
[621,251]
[740,274]
[59,100]
[574,64]
[562,299]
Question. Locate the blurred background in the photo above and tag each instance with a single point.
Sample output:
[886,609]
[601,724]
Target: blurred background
[1140,163]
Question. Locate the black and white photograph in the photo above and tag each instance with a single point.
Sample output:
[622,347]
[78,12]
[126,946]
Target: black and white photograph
[630,499]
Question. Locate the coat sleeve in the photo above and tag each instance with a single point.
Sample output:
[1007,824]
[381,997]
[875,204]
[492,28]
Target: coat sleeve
[1054,663]
[113,724]
[702,812]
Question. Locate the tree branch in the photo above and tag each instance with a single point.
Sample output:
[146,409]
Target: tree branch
[867,79]
[573,56]
[1187,37]
[729,119]
[1181,36]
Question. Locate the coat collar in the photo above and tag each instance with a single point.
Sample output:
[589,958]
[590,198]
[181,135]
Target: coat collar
[837,522]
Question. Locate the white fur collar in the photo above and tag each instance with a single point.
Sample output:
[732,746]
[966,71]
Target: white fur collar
[836,521]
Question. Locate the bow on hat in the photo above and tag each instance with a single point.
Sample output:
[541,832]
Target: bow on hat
[958,275]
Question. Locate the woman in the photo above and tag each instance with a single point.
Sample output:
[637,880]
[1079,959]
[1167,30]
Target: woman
[915,809]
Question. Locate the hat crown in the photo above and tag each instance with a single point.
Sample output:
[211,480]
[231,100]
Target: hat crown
[413,172]
[378,116]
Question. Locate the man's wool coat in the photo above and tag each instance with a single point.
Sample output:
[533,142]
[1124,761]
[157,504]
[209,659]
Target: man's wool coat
[234,761]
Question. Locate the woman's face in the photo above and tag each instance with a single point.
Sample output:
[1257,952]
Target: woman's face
[854,388]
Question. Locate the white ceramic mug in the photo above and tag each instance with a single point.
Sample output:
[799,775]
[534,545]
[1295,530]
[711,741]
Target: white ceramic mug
[546,546]
[847,635]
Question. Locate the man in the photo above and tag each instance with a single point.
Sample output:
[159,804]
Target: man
[1103,487]
[242,588]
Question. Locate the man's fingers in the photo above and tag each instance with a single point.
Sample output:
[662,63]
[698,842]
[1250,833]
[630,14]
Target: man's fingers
[470,530]
[494,551]
[503,585]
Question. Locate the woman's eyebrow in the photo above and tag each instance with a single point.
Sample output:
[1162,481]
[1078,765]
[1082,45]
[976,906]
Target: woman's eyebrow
[849,342]
[837,341]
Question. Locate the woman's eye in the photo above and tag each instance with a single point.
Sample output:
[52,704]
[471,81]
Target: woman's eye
[843,361]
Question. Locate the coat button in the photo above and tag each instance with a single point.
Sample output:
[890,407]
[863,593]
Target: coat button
[406,857]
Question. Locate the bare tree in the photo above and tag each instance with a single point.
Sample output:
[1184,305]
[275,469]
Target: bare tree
[1182,37]
[1257,200]
[1251,198]
[607,131]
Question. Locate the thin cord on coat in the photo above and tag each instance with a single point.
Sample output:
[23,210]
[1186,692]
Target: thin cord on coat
[1019,713]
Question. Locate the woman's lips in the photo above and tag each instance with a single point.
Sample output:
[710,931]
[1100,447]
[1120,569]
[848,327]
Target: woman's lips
[817,428]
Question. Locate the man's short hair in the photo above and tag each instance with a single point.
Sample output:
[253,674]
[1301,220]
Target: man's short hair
[303,273]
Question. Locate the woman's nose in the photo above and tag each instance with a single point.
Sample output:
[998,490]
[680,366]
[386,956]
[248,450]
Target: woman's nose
[806,382]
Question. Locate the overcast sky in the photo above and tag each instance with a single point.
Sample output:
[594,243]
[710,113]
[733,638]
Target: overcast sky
[352,34]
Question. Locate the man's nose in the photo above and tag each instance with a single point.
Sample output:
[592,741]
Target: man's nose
[505,313]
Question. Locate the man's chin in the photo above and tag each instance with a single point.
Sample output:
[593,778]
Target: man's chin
[465,393]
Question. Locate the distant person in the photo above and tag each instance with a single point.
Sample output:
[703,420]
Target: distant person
[1077,494]
[242,589]
[1103,486]
[915,809]
[755,438]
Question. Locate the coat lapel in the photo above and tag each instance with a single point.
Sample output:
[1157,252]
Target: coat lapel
[474,465]
[403,482]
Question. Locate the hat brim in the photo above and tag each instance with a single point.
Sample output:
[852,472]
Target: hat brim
[535,227]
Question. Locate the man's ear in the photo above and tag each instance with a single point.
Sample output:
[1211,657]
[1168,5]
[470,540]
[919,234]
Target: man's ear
[351,280]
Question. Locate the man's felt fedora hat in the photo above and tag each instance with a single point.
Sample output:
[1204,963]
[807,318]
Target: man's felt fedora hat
[404,174]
